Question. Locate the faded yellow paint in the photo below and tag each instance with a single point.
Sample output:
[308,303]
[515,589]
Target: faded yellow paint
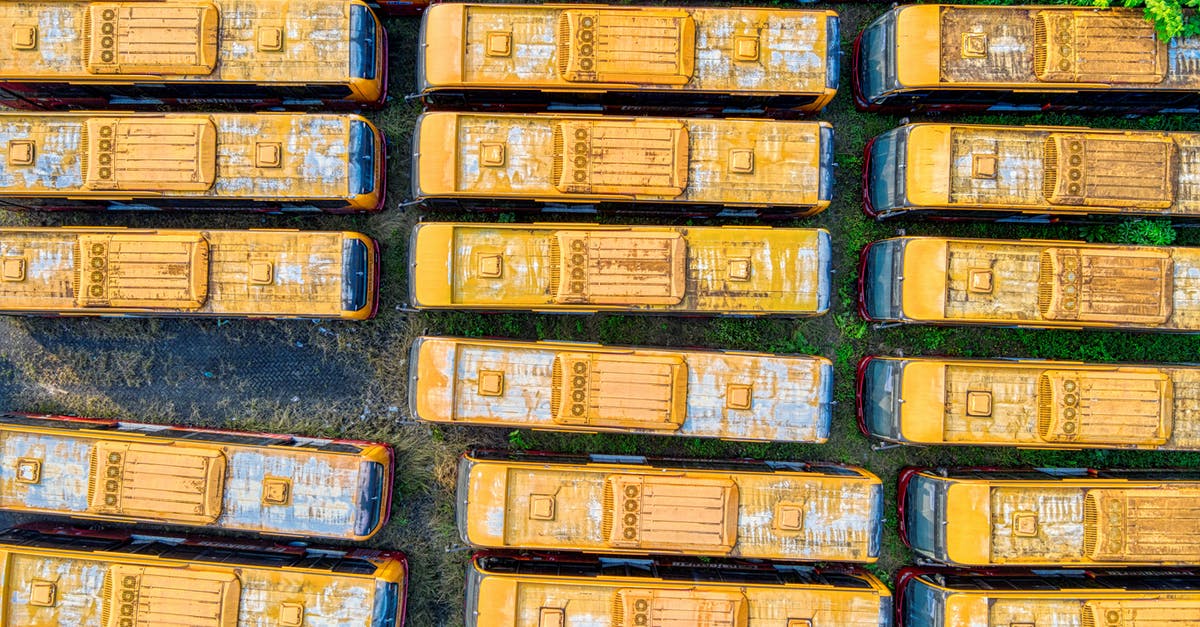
[1040,47]
[262,42]
[1046,283]
[999,607]
[730,395]
[101,587]
[597,48]
[634,509]
[256,273]
[581,158]
[503,600]
[591,267]
[1077,521]
[1055,170]
[277,157]
[1047,404]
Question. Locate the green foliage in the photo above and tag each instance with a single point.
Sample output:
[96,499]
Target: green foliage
[1141,232]
[516,439]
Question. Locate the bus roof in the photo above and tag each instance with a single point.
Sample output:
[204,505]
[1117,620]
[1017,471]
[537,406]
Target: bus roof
[732,395]
[1071,169]
[587,507]
[1040,45]
[216,155]
[687,160]
[245,41]
[692,49]
[703,269]
[267,272]
[1018,282]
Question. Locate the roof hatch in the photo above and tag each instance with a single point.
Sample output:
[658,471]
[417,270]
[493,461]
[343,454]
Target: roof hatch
[644,46]
[1114,285]
[1110,170]
[160,38]
[147,270]
[629,391]
[182,484]
[656,513]
[1139,525]
[618,268]
[626,157]
[1108,408]
[1097,47]
[141,595]
[151,154]
[633,607]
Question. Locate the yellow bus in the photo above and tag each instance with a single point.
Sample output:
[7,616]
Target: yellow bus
[584,268]
[268,162]
[133,472]
[564,386]
[1022,58]
[80,54]
[1030,172]
[690,166]
[258,273]
[710,60]
[634,505]
[1051,516]
[115,578]
[1029,403]
[507,591]
[1030,283]
[1099,598]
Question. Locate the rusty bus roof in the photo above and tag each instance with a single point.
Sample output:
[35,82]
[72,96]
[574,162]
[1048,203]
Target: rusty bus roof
[1062,168]
[1083,520]
[580,157]
[596,47]
[586,267]
[188,40]
[1051,283]
[733,395]
[269,273]
[50,586]
[211,155]
[1049,403]
[1046,45]
[505,599]
[141,477]
[808,516]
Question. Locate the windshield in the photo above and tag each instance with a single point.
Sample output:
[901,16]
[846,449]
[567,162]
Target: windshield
[362,158]
[923,605]
[888,164]
[356,275]
[833,52]
[882,280]
[362,42]
[876,66]
[924,511]
[881,389]
[370,498]
[387,605]
[461,491]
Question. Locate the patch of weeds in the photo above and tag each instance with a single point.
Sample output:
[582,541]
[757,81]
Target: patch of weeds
[851,326]
[1140,232]
[517,441]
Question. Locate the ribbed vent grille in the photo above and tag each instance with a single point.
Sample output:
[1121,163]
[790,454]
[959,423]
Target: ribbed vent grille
[556,165]
[1087,617]
[1050,163]
[618,611]
[75,281]
[564,43]
[91,493]
[556,378]
[1039,45]
[1091,524]
[555,265]
[1045,283]
[106,596]
[1045,400]
[609,506]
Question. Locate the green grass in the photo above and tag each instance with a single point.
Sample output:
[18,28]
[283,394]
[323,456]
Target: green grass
[156,370]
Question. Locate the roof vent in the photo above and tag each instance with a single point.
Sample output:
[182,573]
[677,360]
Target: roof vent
[24,37]
[270,39]
[14,269]
[21,152]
